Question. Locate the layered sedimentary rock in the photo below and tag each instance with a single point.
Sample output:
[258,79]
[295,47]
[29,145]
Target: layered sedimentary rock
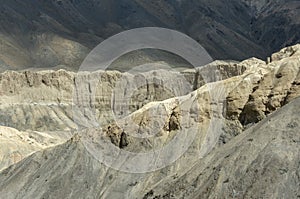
[44,100]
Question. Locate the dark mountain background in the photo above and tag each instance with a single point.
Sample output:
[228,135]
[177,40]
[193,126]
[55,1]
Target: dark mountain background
[59,33]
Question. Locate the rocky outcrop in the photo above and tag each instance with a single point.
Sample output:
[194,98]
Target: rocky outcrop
[274,86]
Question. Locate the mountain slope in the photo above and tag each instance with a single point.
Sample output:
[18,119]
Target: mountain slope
[60,33]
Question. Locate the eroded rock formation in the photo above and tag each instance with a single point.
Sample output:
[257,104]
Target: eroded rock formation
[234,126]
